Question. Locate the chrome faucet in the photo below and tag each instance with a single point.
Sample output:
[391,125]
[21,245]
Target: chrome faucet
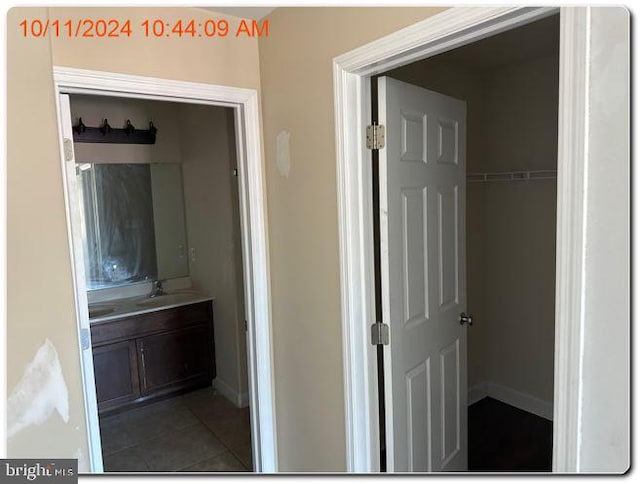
[157,289]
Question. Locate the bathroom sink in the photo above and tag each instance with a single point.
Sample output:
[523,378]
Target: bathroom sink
[168,299]
[97,311]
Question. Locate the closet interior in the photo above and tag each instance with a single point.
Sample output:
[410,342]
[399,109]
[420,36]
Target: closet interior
[510,84]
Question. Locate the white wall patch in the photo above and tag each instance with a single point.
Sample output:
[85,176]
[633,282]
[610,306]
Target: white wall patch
[283,157]
[41,390]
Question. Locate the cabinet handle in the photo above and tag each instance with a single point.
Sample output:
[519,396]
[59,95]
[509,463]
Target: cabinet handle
[144,368]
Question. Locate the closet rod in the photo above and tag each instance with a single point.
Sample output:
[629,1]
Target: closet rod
[511,176]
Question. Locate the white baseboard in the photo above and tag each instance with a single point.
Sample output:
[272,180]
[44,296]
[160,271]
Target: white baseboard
[523,401]
[240,400]
[477,393]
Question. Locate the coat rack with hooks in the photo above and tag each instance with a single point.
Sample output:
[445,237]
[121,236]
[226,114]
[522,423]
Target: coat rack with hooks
[511,176]
[106,134]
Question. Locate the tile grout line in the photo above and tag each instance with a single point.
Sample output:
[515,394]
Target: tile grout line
[162,434]
[218,437]
[185,405]
[144,443]
[207,458]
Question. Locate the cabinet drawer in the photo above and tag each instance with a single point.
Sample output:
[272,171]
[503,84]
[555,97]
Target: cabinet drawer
[149,323]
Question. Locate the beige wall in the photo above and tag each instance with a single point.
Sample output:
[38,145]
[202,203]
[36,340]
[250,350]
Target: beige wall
[297,87]
[35,203]
[227,61]
[211,206]
[39,288]
[520,127]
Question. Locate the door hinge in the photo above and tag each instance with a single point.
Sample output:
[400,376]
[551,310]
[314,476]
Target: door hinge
[379,334]
[245,325]
[375,136]
[85,341]
[68,149]
[235,172]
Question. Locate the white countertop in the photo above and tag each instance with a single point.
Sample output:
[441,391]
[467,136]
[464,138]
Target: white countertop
[140,305]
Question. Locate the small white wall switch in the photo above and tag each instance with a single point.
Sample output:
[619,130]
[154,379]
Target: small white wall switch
[192,252]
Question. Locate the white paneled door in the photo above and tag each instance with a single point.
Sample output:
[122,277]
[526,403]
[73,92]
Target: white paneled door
[422,221]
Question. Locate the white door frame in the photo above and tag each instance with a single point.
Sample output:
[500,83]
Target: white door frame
[453,28]
[253,214]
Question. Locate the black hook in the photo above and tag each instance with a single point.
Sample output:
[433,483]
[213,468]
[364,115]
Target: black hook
[129,129]
[80,127]
[106,128]
[107,134]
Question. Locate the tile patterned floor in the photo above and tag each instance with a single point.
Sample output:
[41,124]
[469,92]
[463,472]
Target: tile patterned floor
[200,431]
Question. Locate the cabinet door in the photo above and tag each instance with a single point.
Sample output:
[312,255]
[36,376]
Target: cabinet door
[116,374]
[176,358]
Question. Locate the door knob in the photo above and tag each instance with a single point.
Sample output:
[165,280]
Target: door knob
[466,318]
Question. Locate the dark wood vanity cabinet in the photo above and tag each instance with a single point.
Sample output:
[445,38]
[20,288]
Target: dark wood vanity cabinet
[116,373]
[143,357]
[174,358]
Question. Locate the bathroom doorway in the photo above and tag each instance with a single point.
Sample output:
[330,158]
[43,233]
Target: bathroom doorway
[173,301]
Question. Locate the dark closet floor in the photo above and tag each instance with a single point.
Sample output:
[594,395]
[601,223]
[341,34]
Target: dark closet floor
[503,438]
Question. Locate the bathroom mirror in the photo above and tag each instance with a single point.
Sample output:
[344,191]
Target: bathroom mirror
[133,222]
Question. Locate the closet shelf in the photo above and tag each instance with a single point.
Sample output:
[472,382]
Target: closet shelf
[511,176]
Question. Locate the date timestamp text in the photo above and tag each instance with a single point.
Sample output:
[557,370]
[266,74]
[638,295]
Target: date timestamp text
[150,28]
